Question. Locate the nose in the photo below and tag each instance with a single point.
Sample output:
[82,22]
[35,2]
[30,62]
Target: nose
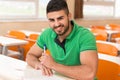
[57,23]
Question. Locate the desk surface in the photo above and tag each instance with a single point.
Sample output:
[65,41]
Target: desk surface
[115,59]
[117,45]
[6,41]
[13,69]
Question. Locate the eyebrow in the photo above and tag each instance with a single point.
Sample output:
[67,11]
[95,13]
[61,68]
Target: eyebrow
[57,18]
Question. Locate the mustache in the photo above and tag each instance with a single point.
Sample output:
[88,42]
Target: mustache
[61,25]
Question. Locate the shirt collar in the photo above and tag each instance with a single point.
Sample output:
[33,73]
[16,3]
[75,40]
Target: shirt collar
[73,30]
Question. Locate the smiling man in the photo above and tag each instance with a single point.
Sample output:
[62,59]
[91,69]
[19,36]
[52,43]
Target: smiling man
[72,48]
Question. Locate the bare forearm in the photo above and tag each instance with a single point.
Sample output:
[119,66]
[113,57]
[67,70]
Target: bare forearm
[82,72]
[32,60]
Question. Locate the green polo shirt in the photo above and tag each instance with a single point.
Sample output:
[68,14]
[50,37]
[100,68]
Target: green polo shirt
[80,39]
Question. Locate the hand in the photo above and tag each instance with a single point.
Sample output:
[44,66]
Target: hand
[46,71]
[47,60]
[38,66]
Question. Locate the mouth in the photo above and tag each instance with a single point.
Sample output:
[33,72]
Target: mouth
[59,30]
[59,26]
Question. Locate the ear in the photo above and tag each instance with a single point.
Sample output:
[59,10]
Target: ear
[70,16]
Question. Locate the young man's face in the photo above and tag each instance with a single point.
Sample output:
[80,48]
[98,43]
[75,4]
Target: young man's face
[59,21]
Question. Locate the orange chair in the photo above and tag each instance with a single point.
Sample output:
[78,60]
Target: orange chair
[16,34]
[114,26]
[97,27]
[118,78]
[114,36]
[107,48]
[101,34]
[107,70]
[33,36]
[31,39]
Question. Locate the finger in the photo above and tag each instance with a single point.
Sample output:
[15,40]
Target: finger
[50,72]
[46,71]
[42,69]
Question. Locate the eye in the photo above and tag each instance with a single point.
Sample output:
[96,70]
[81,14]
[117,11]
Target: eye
[60,18]
[51,20]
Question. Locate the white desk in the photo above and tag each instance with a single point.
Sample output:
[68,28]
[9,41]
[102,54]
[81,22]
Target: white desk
[110,32]
[115,59]
[117,45]
[27,32]
[5,42]
[14,69]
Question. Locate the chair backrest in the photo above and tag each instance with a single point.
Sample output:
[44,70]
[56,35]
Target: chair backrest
[17,34]
[31,39]
[107,70]
[115,26]
[114,37]
[105,48]
[101,34]
[98,27]
[33,36]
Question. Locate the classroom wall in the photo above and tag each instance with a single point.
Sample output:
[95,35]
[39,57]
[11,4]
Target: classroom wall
[34,25]
[37,25]
[102,22]
[22,25]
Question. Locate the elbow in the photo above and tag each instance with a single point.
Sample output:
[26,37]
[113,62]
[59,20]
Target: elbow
[91,77]
[27,59]
[88,76]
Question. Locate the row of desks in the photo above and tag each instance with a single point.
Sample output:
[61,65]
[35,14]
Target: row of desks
[109,32]
[5,41]
[117,45]
[14,69]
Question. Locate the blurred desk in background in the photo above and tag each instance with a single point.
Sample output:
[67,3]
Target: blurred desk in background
[110,33]
[6,41]
[117,45]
